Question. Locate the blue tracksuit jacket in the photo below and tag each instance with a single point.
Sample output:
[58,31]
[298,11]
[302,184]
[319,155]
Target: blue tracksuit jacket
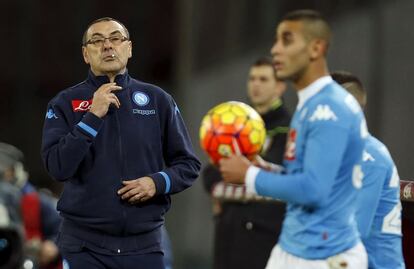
[146,136]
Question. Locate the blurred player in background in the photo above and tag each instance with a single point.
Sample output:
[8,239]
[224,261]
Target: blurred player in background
[241,224]
[379,207]
[38,208]
[322,159]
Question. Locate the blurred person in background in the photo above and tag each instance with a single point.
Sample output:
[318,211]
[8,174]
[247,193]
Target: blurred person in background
[408,232]
[379,206]
[241,224]
[323,152]
[11,233]
[11,226]
[121,148]
[38,210]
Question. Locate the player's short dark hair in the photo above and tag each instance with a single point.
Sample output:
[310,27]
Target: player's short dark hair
[302,14]
[264,61]
[355,85]
[315,24]
[342,77]
[101,20]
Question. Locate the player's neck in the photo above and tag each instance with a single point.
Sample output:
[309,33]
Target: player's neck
[315,71]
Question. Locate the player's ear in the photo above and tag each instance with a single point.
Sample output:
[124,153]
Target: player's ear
[85,54]
[317,48]
[130,49]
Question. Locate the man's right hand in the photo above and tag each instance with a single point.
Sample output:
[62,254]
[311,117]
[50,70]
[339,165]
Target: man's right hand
[103,98]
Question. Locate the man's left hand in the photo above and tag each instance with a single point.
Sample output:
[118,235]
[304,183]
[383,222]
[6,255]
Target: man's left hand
[48,252]
[137,190]
[233,168]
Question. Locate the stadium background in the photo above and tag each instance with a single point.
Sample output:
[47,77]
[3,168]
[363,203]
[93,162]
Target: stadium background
[199,51]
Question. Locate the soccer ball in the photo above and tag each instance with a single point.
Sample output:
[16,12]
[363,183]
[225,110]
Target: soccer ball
[232,127]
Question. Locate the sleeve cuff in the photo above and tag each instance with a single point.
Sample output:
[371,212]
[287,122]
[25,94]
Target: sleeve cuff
[275,168]
[250,179]
[90,124]
[162,182]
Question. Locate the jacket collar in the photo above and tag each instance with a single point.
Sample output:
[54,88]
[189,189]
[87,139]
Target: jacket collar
[121,79]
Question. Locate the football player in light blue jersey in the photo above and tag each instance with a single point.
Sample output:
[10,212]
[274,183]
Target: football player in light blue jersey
[379,212]
[322,159]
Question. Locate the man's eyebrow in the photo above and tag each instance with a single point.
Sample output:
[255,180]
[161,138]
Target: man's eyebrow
[97,34]
[116,32]
[113,33]
[284,34]
[287,33]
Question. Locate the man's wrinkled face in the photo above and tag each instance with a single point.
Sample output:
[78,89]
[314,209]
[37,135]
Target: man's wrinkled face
[107,49]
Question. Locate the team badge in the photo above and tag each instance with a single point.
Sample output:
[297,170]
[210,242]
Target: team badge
[140,98]
[290,152]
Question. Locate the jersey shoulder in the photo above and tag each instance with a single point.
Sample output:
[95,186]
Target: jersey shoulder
[334,104]
[376,155]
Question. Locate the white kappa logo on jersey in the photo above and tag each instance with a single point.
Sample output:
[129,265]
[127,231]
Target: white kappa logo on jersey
[323,112]
[367,157]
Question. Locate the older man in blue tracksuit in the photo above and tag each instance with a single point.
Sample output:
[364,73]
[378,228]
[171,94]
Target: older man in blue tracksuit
[121,148]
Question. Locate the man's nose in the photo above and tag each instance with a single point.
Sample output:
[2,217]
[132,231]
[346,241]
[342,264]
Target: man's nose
[255,82]
[107,43]
[275,49]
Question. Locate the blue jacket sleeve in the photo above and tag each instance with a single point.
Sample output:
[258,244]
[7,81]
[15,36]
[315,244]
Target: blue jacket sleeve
[369,197]
[182,166]
[325,147]
[50,216]
[64,145]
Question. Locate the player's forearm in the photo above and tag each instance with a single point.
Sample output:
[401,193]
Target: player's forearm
[368,199]
[296,188]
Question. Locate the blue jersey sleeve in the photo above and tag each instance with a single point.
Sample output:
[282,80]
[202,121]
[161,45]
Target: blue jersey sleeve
[369,197]
[325,146]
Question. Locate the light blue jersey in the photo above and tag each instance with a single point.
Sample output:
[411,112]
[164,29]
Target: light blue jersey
[379,208]
[323,173]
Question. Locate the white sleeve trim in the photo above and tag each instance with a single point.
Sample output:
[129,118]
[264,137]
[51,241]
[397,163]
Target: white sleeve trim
[250,179]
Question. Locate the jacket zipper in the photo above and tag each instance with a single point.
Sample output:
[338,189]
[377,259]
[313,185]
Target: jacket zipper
[123,168]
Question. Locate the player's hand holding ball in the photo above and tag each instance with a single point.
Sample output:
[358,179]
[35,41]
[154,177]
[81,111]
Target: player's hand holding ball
[233,168]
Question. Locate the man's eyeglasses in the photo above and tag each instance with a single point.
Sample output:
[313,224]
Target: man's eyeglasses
[99,41]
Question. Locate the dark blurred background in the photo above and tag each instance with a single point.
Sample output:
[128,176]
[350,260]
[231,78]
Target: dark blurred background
[200,51]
